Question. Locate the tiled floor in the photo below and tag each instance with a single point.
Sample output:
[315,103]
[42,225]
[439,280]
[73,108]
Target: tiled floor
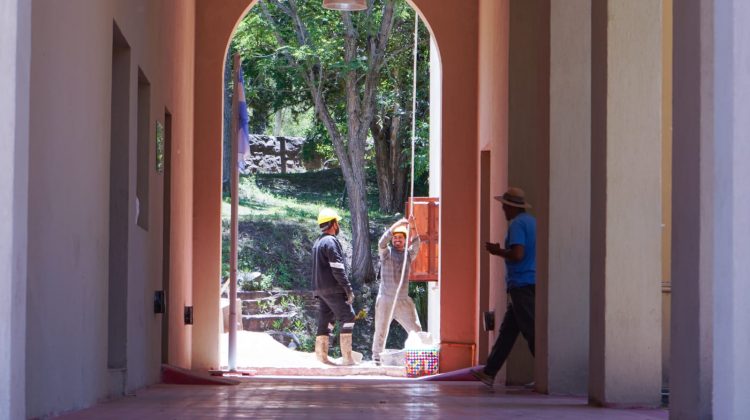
[344,398]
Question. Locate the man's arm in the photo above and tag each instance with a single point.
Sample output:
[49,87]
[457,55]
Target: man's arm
[513,254]
[383,242]
[336,261]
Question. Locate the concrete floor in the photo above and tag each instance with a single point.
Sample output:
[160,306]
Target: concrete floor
[348,398]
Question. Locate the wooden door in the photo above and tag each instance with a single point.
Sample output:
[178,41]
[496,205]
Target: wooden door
[427,219]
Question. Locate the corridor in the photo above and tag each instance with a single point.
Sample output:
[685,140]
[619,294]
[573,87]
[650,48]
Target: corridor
[268,398]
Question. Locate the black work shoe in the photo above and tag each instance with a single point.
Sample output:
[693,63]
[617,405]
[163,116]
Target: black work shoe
[483,377]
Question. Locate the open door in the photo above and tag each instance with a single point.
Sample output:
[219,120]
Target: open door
[426,215]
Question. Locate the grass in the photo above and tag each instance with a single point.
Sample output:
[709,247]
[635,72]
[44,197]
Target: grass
[277,224]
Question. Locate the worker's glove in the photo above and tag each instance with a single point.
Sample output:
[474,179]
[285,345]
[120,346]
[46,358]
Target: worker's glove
[349,297]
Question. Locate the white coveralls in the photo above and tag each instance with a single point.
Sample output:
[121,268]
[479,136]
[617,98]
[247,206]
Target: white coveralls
[405,312]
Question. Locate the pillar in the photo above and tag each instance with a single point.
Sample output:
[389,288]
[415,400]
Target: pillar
[565,320]
[730,209]
[213,30]
[493,146]
[15,47]
[625,291]
[691,377]
[666,193]
[528,151]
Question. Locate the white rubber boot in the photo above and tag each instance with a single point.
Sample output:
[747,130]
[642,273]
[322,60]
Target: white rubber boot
[321,349]
[346,350]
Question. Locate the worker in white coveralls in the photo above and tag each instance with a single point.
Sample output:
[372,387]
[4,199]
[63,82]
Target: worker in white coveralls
[391,250]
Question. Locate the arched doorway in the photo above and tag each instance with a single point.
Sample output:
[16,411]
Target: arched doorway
[214,27]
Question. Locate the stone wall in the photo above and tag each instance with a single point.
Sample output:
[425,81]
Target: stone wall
[269,154]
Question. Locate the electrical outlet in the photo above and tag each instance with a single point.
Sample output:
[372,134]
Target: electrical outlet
[160,302]
[188,315]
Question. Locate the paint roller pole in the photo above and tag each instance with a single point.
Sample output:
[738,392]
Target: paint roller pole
[234,181]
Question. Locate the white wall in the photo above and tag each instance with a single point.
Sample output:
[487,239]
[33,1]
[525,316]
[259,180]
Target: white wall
[68,205]
[67,325]
[15,37]
[731,268]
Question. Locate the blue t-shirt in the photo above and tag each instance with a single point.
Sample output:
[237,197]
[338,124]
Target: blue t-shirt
[522,231]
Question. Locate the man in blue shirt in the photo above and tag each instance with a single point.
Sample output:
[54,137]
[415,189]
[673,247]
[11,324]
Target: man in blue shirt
[519,253]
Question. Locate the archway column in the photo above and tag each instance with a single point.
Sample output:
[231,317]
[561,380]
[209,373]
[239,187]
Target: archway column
[213,29]
[15,47]
[563,323]
[691,382]
[731,246]
[625,317]
[710,265]
[456,40]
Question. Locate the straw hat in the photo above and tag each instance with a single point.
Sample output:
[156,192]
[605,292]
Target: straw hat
[514,197]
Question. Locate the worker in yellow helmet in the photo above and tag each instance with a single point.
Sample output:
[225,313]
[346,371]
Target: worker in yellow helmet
[392,250]
[332,289]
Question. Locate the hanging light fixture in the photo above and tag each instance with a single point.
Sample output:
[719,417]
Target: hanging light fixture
[345,5]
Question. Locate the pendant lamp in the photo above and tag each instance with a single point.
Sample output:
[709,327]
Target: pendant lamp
[345,5]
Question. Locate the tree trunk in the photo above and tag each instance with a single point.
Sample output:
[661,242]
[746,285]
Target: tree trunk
[382,153]
[398,169]
[362,269]
[389,165]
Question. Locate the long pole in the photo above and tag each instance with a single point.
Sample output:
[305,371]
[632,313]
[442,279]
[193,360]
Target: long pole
[234,181]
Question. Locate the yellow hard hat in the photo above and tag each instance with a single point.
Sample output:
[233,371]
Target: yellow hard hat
[326,215]
[401,229]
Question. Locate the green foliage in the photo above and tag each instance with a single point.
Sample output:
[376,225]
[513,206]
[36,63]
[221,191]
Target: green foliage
[418,293]
[296,121]
[318,145]
[269,84]
[265,307]
[260,283]
[277,226]
[273,83]
[277,324]
[291,303]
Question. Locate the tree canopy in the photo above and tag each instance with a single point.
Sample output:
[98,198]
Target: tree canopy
[354,70]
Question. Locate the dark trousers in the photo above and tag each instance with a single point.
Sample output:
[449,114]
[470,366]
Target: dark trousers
[519,317]
[332,307]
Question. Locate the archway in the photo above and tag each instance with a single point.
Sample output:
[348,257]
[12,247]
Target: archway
[457,49]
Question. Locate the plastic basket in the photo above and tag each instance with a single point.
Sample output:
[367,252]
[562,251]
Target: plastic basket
[422,362]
